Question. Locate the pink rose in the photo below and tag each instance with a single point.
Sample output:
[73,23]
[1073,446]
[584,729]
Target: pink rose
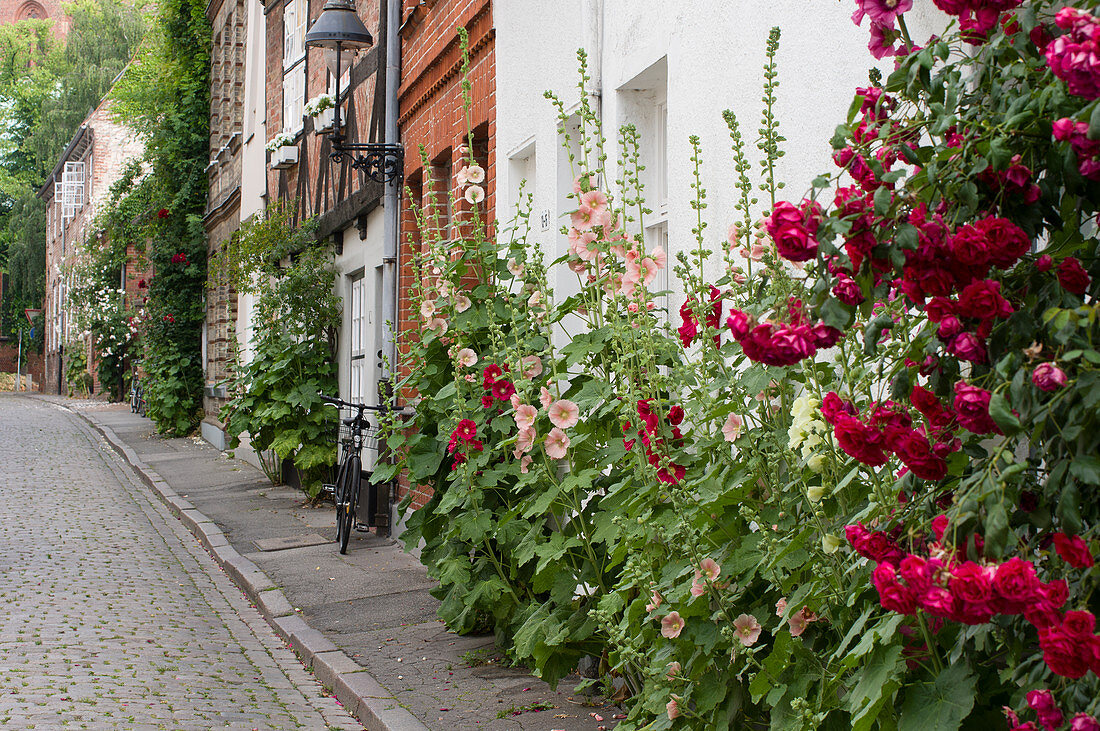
[1048,377]
[1084,722]
[969,347]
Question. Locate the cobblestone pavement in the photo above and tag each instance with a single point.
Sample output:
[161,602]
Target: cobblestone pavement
[111,613]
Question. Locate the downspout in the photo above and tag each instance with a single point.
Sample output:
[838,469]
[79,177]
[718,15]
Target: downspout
[391,198]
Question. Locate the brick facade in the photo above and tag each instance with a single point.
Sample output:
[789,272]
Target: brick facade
[431,116]
[103,147]
[228,22]
[13,11]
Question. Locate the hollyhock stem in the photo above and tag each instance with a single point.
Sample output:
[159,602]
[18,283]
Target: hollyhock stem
[905,31]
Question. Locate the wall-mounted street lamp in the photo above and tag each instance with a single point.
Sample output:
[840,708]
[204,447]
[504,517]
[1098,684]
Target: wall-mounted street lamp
[341,34]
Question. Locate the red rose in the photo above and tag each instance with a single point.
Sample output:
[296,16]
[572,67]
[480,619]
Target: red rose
[1073,550]
[972,409]
[982,300]
[968,347]
[1072,276]
[1084,722]
[832,405]
[793,229]
[1044,263]
[162,213]
[893,595]
[949,328]
[1079,623]
[938,602]
[1064,653]
[973,585]
[1016,585]
[740,323]
[913,449]
[847,290]
[1007,241]
[859,441]
[1048,377]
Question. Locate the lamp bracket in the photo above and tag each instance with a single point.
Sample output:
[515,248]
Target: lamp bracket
[381,161]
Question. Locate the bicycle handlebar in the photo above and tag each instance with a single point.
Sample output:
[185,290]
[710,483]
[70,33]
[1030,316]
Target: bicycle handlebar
[340,402]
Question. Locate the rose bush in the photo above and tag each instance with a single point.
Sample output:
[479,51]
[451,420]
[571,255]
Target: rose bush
[857,490]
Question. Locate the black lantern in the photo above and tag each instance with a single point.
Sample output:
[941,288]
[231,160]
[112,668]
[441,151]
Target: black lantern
[341,34]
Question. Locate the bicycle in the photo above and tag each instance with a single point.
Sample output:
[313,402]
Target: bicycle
[356,433]
[137,397]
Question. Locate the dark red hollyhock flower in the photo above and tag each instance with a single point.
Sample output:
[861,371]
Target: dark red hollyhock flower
[142,284]
[1073,550]
[490,374]
[162,213]
[466,430]
[503,390]
[1072,276]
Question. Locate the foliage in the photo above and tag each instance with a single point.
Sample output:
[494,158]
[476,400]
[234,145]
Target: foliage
[913,381]
[164,94]
[276,394]
[76,369]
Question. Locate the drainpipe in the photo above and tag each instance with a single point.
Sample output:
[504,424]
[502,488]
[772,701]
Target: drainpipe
[592,38]
[391,197]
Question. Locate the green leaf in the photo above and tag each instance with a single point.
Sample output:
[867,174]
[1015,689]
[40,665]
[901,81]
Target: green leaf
[1002,414]
[942,705]
[1094,122]
[876,683]
[1086,468]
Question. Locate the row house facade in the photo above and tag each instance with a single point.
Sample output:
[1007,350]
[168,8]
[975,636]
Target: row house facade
[262,78]
[74,192]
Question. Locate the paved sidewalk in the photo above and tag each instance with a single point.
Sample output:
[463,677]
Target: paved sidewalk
[365,621]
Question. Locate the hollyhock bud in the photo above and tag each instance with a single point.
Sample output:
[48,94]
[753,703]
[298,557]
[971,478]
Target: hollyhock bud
[1073,550]
[1072,276]
[1048,377]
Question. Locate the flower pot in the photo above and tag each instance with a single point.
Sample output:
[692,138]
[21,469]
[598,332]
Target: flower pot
[284,157]
[324,119]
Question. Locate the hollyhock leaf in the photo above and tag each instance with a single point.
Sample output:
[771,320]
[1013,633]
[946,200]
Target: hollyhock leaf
[876,684]
[1002,414]
[942,705]
[1094,122]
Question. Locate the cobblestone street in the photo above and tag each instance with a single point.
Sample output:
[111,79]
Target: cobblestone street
[113,615]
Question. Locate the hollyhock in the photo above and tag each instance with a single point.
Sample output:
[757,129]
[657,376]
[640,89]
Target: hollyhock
[672,708]
[1048,377]
[503,390]
[490,374]
[525,416]
[673,670]
[462,303]
[972,409]
[475,174]
[525,463]
[698,588]
[466,430]
[474,194]
[709,568]
[564,413]
[732,427]
[655,601]
[1073,550]
[162,213]
[880,11]
[672,625]
[525,441]
[659,257]
[1072,276]
[545,398]
[467,358]
[747,629]
[781,606]
[800,620]
[531,366]
[515,268]
[556,444]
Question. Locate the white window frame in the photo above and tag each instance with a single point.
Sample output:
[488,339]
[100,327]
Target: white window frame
[358,364]
[294,64]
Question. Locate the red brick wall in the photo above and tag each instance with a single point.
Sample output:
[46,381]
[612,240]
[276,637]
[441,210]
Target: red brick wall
[12,11]
[431,116]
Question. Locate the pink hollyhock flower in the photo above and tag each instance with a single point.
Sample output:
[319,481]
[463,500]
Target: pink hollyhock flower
[673,670]
[515,401]
[524,463]
[655,601]
[800,620]
[747,629]
[647,269]
[709,568]
[475,194]
[672,625]
[564,413]
[672,708]
[880,11]
[781,606]
[659,257]
[525,416]
[1048,377]
[462,303]
[525,441]
[475,174]
[462,177]
[556,444]
[732,428]
[467,358]
[532,366]
[698,588]
[1073,550]
[545,398]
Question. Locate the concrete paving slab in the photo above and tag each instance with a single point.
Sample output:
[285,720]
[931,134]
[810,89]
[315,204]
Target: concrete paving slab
[287,542]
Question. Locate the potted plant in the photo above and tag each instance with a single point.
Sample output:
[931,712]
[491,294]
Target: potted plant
[323,110]
[284,152]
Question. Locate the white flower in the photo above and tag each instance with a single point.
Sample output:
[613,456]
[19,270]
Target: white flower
[475,174]
[462,303]
[515,268]
[475,194]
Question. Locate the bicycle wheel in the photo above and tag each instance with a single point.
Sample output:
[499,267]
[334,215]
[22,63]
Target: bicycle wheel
[346,519]
[338,496]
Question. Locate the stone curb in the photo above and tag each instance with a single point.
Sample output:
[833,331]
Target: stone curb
[360,693]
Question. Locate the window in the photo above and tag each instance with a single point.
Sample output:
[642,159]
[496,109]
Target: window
[358,365]
[440,197]
[294,63]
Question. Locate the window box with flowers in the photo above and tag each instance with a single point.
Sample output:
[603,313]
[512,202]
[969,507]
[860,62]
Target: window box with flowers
[323,110]
[284,153]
